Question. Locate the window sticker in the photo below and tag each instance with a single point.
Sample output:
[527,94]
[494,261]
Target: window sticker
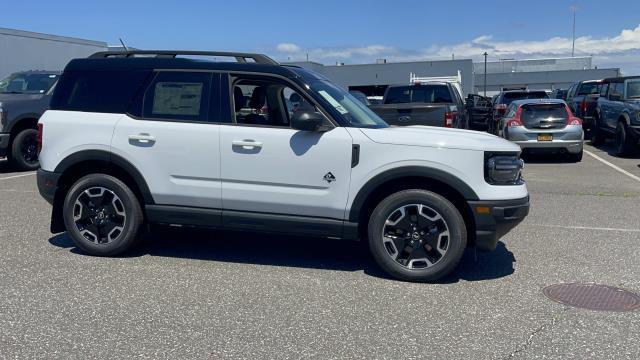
[333,102]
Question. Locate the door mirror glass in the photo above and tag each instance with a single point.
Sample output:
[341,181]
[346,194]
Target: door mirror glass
[307,120]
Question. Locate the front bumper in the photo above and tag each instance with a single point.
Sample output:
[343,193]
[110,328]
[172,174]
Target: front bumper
[495,218]
[4,144]
[47,184]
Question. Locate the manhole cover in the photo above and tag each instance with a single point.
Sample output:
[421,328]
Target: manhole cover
[593,297]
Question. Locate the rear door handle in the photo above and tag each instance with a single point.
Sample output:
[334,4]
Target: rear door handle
[143,138]
[247,143]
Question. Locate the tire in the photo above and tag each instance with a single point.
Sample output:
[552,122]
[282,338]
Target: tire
[421,260]
[117,228]
[576,157]
[625,144]
[597,136]
[24,154]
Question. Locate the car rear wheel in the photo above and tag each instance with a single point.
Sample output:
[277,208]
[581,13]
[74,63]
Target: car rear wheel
[24,150]
[417,235]
[597,136]
[576,157]
[102,215]
[624,141]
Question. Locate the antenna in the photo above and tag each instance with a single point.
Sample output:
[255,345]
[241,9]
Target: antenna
[123,45]
[573,41]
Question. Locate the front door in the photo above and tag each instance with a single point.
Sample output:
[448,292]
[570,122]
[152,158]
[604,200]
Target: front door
[269,168]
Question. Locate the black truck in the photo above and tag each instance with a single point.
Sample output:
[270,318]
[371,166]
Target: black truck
[582,98]
[431,104]
[24,96]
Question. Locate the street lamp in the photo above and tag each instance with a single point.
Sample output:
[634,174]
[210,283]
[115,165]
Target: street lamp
[485,73]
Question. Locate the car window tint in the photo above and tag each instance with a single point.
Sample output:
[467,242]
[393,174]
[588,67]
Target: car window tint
[97,91]
[603,89]
[616,88]
[178,95]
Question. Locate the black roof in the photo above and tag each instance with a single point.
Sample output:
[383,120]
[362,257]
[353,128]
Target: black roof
[166,59]
[621,78]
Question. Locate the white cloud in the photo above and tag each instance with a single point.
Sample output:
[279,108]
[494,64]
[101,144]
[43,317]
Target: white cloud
[288,48]
[623,47]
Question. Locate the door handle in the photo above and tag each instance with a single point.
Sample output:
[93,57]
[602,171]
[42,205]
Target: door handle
[143,138]
[247,143]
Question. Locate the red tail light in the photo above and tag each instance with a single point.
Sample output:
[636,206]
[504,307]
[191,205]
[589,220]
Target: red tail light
[39,137]
[448,119]
[514,123]
[500,109]
[574,121]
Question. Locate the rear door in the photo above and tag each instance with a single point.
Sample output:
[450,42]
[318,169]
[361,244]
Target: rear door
[614,106]
[172,137]
[479,109]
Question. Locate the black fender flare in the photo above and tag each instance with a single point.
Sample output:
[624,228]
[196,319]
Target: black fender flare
[110,159]
[13,122]
[408,171]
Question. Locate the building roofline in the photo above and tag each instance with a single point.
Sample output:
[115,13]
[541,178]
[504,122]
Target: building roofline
[42,36]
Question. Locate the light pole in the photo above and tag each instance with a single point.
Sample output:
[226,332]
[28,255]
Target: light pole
[573,36]
[485,73]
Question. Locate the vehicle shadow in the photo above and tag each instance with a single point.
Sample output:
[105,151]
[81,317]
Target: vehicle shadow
[609,147]
[546,159]
[311,253]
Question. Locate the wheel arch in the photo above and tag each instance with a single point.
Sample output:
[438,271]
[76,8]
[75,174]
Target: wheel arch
[412,177]
[82,163]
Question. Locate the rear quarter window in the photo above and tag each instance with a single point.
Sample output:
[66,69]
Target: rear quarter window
[97,91]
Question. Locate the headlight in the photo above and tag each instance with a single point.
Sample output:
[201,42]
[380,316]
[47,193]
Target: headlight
[503,169]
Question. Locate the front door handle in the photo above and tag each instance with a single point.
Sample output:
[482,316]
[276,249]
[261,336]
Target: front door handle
[247,143]
[143,138]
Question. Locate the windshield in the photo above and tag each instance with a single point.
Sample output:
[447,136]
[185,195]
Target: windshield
[633,89]
[418,94]
[27,83]
[351,109]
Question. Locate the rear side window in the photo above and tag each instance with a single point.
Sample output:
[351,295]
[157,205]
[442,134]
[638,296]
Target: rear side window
[589,89]
[178,96]
[418,94]
[97,91]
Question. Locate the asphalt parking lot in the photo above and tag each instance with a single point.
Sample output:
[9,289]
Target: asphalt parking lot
[230,295]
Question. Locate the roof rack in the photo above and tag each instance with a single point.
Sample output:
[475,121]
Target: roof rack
[240,57]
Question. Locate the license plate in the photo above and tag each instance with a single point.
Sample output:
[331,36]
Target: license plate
[545,137]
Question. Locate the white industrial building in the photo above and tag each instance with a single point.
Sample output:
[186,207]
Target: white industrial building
[25,50]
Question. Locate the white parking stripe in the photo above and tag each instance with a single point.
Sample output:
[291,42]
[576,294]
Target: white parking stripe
[634,177]
[17,176]
[587,228]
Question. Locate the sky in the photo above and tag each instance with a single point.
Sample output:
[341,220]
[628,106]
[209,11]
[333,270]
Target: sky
[350,31]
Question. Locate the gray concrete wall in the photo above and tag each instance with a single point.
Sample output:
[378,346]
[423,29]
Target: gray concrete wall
[534,65]
[540,80]
[393,73]
[24,50]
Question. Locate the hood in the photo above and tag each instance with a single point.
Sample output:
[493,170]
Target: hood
[438,137]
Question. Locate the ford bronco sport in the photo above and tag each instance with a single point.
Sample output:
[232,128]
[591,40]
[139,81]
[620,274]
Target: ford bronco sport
[167,137]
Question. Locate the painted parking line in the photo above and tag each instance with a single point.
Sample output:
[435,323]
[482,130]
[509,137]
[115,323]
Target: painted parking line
[613,166]
[17,176]
[586,228]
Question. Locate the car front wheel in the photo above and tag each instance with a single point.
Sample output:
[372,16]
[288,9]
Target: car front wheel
[102,215]
[624,141]
[417,235]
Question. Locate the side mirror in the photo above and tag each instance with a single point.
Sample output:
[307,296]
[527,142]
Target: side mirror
[615,97]
[309,121]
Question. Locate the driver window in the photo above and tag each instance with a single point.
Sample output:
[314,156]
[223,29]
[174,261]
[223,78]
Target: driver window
[265,103]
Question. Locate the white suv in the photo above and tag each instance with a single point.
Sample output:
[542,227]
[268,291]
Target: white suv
[157,137]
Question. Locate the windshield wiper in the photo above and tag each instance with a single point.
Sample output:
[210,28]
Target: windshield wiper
[11,92]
